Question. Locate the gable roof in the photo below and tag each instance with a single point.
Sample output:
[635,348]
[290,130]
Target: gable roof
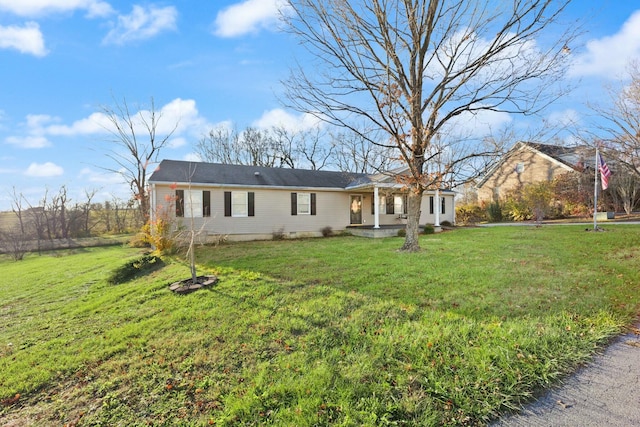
[569,158]
[217,174]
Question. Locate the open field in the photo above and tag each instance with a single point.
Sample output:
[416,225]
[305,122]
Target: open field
[335,331]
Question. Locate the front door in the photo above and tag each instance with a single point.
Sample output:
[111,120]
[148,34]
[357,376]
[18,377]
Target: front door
[356,210]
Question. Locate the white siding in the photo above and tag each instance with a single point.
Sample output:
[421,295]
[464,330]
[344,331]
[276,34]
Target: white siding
[273,212]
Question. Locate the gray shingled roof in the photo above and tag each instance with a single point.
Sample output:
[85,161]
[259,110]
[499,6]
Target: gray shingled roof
[574,157]
[240,175]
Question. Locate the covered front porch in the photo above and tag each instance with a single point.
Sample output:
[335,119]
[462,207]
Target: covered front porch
[383,206]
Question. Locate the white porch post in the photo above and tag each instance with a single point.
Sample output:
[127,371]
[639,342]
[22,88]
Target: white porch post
[436,202]
[376,213]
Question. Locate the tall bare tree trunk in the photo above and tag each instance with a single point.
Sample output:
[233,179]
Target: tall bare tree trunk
[414,201]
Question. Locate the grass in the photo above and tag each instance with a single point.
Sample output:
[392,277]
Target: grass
[336,331]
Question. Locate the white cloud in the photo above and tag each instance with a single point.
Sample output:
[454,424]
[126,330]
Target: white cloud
[94,8]
[35,132]
[279,117]
[29,141]
[44,170]
[179,114]
[248,16]
[95,123]
[566,117]
[143,23]
[478,125]
[100,177]
[27,39]
[192,157]
[177,142]
[608,56]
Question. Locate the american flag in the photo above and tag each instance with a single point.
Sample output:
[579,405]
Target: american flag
[605,173]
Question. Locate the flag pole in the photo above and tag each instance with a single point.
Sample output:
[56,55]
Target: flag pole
[595,192]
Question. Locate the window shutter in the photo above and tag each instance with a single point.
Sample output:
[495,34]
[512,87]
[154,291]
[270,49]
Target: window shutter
[313,203]
[443,204]
[227,203]
[251,196]
[405,202]
[294,203]
[373,205]
[206,203]
[431,205]
[179,203]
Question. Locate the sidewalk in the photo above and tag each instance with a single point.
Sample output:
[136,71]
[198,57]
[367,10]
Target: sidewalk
[605,393]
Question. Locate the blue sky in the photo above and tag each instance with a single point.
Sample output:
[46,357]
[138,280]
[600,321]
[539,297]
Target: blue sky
[206,64]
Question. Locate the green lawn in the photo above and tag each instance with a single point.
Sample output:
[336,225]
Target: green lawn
[330,331]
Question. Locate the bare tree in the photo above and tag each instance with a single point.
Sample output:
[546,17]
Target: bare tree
[417,68]
[274,147]
[620,122]
[625,186]
[308,149]
[249,147]
[137,146]
[17,207]
[352,152]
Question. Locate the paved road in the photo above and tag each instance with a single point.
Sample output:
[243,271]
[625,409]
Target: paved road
[605,393]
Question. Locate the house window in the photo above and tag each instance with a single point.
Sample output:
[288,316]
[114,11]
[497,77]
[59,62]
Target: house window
[520,168]
[400,204]
[303,203]
[388,202]
[239,203]
[193,203]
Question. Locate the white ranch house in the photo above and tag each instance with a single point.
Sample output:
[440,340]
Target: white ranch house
[253,202]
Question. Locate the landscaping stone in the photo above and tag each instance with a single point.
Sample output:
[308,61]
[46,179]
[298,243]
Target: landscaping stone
[187,285]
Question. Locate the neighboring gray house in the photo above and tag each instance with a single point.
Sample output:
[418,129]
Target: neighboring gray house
[253,202]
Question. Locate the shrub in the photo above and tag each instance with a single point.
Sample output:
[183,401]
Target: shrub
[470,214]
[446,224]
[429,229]
[517,209]
[494,212]
[134,268]
[402,232]
[278,234]
[327,231]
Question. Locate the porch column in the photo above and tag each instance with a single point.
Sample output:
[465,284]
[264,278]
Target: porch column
[436,202]
[376,213]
